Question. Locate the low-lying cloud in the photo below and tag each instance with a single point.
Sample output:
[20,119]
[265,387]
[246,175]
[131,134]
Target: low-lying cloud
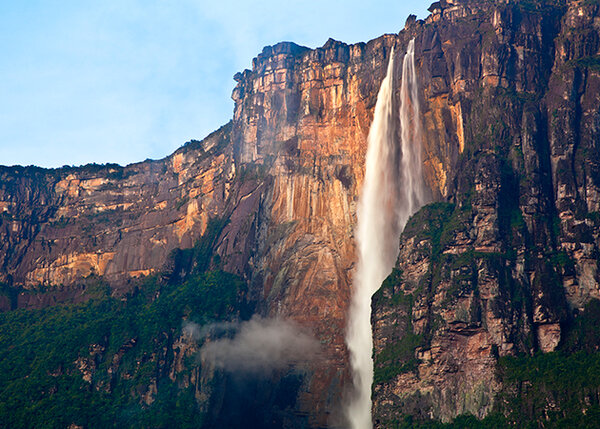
[259,346]
[199,332]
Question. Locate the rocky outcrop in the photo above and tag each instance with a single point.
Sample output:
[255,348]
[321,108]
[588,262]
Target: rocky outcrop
[285,175]
[499,269]
[303,117]
[59,226]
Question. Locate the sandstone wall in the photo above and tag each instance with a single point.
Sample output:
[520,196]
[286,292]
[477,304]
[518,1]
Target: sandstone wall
[500,268]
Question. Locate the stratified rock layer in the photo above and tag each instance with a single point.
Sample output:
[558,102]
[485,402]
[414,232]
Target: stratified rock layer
[285,174]
[499,269]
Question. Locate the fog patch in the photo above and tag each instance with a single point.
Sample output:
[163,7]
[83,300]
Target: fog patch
[198,332]
[259,346]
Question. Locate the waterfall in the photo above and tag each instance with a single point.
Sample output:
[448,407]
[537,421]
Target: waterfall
[413,190]
[393,189]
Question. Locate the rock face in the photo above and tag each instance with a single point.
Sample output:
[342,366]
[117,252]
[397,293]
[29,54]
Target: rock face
[499,268]
[285,174]
[59,226]
[303,116]
[510,96]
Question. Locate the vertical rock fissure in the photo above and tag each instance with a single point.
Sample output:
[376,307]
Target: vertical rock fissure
[392,191]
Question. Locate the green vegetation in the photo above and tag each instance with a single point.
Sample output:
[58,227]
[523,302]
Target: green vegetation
[116,172]
[222,136]
[188,262]
[553,390]
[468,421]
[431,222]
[10,293]
[252,172]
[529,5]
[122,345]
[553,387]
[562,388]
[397,358]
[592,62]
[41,385]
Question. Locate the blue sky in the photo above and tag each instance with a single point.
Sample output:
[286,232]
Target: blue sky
[122,81]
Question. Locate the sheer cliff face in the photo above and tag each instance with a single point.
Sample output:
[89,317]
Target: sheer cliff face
[59,226]
[303,116]
[501,266]
[285,174]
[510,97]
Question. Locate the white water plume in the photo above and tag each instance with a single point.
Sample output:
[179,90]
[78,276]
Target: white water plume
[413,190]
[393,189]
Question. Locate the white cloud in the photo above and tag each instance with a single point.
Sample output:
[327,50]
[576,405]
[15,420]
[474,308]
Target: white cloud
[260,346]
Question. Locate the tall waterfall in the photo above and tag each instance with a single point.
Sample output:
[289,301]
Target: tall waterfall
[393,189]
[412,189]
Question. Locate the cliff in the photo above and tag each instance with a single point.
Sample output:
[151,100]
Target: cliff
[509,95]
[284,174]
[62,225]
[502,267]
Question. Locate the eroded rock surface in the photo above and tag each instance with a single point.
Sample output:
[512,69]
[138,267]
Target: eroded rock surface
[500,268]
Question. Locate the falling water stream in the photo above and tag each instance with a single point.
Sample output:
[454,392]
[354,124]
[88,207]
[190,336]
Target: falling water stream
[393,189]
